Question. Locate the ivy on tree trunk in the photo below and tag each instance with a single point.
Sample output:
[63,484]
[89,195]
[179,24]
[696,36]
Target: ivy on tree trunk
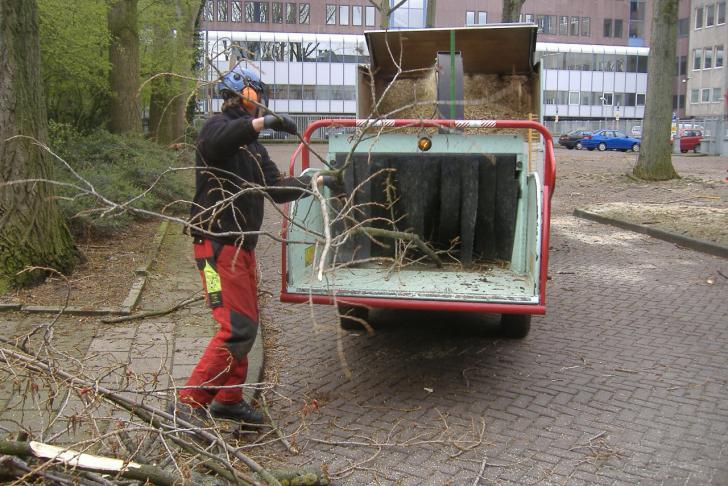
[33,233]
[655,159]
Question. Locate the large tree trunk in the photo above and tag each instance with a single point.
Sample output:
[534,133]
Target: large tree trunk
[124,116]
[655,159]
[32,231]
[512,10]
[173,51]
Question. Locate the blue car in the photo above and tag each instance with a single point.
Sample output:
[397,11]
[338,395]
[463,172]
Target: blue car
[610,140]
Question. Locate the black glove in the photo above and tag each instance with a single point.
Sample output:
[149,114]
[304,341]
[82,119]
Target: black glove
[280,123]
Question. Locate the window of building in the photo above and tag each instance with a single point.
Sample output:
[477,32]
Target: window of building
[304,13]
[607,28]
[482,17]
[585,26]
[716,95]
[574,26]
[607,99]
[410,15]
[641,64]
[330,14]
[721,13]
[343,15]
[222,10]
[683,27]
[694,95]
[710,15]
[549,97]
[526,18]
[697,59]
[708,58]
[277,13]
[236,13]
[640,99]
[256,12]
[705,95]
[698,18]
[356,14]
[574,97]
[719,56]
[618,31]
[470,17]
[369,13]
[683,61]
[563,25]
[208,13]
[290,13]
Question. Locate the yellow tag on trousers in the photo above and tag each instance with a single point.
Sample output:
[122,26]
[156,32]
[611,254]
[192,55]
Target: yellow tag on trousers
[212,279]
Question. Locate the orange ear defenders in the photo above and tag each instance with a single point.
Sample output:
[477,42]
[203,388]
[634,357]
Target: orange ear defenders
[249,94]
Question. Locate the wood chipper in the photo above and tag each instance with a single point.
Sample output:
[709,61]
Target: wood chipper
[445,183]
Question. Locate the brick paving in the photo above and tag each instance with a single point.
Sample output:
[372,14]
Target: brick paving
[623,382]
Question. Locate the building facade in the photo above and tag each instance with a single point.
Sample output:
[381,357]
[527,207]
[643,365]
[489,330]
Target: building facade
[594,53]
[706,80]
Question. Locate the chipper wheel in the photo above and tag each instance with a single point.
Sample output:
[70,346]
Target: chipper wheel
[515,326]
[351,316]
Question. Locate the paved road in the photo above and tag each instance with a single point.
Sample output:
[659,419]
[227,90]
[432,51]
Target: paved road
[623,382]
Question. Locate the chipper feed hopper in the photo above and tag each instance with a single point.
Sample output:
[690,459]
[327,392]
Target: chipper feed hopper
[445,182]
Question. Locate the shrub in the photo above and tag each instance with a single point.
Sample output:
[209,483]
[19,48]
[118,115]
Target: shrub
[120,168]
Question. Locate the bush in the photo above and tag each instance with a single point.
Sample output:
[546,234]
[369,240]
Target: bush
[120,168]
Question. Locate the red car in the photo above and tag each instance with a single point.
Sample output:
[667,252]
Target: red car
[690,140]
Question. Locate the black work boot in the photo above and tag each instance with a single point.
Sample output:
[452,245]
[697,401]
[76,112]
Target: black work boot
[182,411]
[241,411]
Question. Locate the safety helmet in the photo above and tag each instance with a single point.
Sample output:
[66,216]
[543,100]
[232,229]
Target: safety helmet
[246,83]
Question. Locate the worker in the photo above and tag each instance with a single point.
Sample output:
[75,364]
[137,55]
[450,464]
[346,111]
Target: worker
[234,174]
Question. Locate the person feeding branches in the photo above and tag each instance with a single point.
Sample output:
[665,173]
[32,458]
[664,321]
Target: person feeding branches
[233,176]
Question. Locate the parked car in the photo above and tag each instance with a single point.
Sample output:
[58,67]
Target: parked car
[573,139]
[610,140]
[637,131]
[690,140]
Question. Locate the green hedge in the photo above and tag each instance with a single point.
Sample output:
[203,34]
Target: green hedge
[119,168]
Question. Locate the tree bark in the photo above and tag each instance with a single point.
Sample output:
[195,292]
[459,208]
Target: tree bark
[430,17]
[33,232]
[512,10]
[174,54]
[124,115]
[655,159]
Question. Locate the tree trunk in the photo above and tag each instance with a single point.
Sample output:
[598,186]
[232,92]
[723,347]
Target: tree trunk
[174,53]
[124,116]
[512,10]
[655,159]
[33,233]
[430,15]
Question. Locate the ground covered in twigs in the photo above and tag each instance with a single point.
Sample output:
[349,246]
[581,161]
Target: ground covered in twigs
[103,280]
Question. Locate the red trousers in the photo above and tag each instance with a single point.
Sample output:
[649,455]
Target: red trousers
[229,278]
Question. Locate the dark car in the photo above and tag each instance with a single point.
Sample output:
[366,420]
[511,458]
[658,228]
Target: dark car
[610,140]
[573,139]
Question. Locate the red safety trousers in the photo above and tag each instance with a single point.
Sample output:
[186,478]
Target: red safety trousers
[229,278]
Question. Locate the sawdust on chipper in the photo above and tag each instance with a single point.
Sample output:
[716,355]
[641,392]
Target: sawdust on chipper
[486,97]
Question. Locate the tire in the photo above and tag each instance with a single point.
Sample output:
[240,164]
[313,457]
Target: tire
[356,313]
[579,146]
[602,146]
[515,326]
[636,147]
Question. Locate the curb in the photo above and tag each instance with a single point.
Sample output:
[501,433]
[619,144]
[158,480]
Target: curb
[127,305]
[684,241]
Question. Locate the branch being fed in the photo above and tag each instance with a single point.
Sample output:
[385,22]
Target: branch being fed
[401,235]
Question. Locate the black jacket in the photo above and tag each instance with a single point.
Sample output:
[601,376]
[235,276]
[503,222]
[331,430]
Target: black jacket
[231,165]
